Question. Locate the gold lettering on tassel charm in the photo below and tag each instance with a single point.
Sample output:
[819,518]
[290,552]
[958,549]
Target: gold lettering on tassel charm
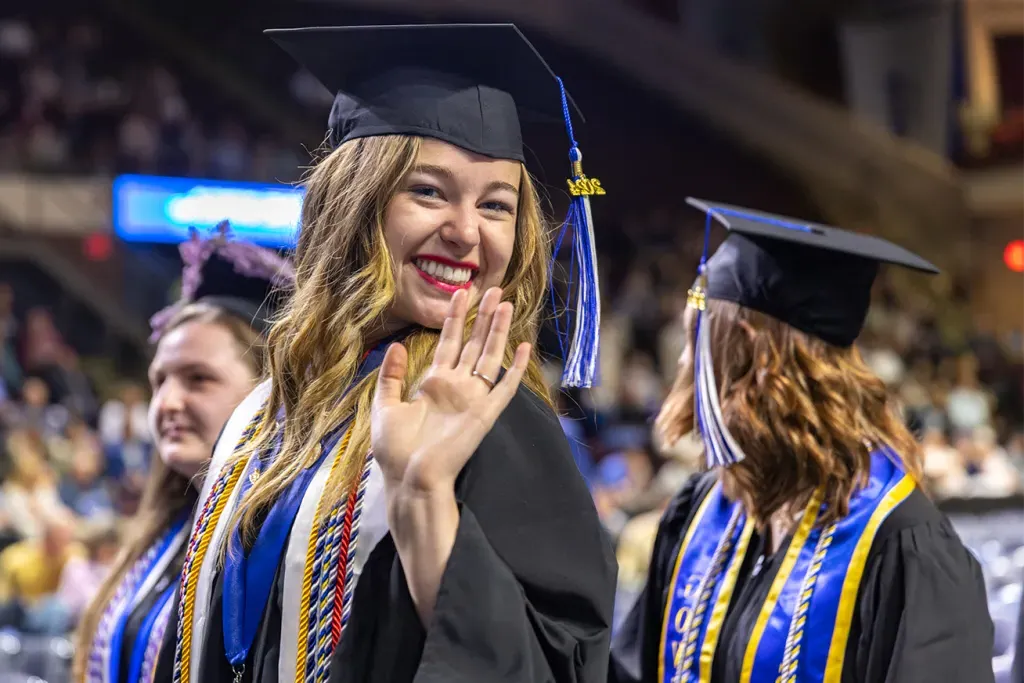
[696,296]
[582,186]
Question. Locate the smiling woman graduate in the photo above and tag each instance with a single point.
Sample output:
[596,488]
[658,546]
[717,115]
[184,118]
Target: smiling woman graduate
[806,553]
[398,502]
[208,357]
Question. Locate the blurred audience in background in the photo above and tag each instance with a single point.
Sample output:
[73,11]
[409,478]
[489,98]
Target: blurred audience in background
[76,448]
[73,101]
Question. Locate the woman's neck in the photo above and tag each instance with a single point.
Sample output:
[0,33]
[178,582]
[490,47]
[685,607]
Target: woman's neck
[780,525]
[387,331]
[374,336]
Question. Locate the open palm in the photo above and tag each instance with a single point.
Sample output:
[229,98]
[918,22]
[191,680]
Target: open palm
[423,443]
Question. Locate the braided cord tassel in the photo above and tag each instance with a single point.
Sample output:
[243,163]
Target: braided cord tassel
[198,546]
[315,632]
[791,655]
[119,602]
[350,550]
[156,639]
[706,588]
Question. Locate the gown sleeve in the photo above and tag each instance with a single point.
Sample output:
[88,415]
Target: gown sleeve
[634,652]
[924,614]
[528,591]
[1017,667]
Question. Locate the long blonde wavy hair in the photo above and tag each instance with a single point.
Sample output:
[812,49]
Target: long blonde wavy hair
[166,494]
[806,413]
[345,284]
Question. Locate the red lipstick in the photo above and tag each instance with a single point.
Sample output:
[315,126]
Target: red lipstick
[443,286]
[447,287]
[445,261]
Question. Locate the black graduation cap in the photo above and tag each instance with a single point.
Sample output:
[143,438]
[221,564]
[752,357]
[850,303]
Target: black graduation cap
[465,84]
[813,277]
[242,278]
[252,299]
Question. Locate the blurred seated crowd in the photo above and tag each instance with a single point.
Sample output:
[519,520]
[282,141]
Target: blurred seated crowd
[73,100]
[73,454]
[70,474]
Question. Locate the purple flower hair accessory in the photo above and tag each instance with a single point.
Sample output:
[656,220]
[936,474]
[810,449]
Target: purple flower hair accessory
[247,259]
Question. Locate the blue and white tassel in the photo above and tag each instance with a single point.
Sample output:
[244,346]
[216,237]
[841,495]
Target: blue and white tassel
[581,357]
[720,449]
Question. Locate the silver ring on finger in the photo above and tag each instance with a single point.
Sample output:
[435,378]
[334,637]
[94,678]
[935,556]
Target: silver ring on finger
[490,382]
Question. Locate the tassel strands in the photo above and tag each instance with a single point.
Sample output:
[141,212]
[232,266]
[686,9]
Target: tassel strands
[720,449]
[582,355]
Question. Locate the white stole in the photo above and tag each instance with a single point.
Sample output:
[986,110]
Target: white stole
[162,562]
[373,527]
[229,439]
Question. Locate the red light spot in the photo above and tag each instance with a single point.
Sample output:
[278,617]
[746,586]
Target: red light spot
[97,247]
[1013,256]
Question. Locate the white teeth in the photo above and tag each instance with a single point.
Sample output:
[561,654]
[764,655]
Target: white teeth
[454,276]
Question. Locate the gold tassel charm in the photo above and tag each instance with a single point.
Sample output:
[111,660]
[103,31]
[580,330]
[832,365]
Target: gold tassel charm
[697,296]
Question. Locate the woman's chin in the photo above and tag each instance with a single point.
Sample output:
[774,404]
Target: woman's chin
[428,308]
[430,314]
[185,459]
[432,322]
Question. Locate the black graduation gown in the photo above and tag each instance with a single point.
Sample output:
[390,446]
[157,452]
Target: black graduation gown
[921,614]
[1017,667]
[527,595]
[165,660]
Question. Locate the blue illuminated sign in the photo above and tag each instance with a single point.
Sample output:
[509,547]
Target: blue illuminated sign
[159,209]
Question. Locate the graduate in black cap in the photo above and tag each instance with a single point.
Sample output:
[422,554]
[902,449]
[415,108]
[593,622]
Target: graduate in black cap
[404,505]
[207,358]
[807,552]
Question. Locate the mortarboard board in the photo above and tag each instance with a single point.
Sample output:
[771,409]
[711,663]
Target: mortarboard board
[242,278]
[813,277]
[467,85]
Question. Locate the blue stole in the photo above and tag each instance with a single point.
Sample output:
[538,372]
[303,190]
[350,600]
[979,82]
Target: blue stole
[800,634]
[249,577]
[145,633]
[142,637]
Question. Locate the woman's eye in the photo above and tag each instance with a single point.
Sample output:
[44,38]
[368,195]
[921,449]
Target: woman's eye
[426,191]
[498,206]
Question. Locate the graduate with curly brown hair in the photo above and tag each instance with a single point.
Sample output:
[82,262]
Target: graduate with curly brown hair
[807,552]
